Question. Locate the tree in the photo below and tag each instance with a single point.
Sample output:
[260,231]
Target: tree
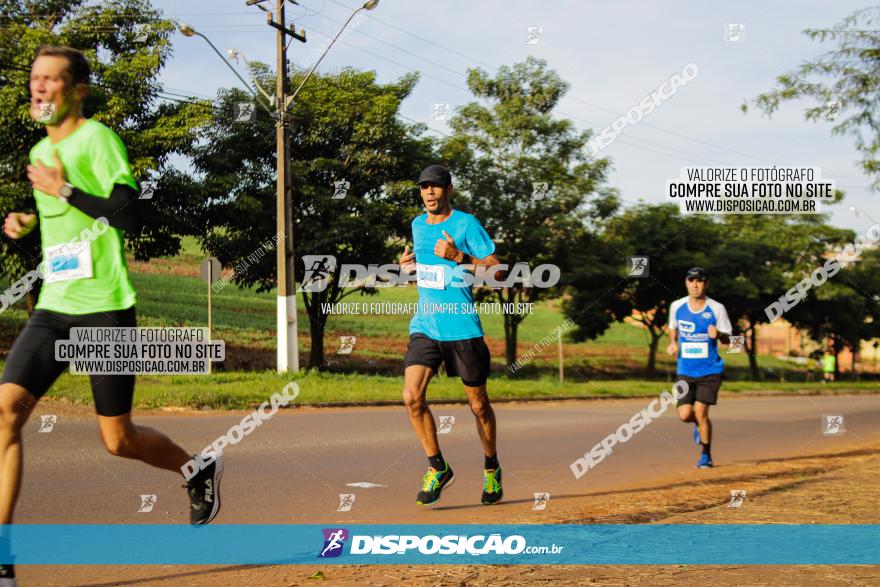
[506,147]
[127,45]
[762,257]
[844,82]
[672,243]
[345,128]
[843,310]
[593,284]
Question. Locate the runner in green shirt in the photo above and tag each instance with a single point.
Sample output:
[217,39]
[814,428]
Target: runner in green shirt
[829,362]
[85,197]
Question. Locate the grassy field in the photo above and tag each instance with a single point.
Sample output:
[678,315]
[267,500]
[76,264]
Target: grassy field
[239,390]
[171,294]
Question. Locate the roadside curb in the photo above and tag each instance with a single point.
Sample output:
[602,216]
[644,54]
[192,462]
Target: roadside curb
[568,398]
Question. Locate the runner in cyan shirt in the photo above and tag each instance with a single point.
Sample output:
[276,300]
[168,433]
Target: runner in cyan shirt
[446,328]
[83,186]
[699,323]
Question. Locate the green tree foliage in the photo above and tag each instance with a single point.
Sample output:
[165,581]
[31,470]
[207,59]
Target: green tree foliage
[759,258]
[127,45]
[345,128]
[672,243]
[752,260]
[501,147]
[844,83]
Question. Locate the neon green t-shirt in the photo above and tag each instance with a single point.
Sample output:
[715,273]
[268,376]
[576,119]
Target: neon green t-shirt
[94,278]
[828,363]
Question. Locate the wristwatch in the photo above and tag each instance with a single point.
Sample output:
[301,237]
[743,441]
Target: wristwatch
[65,191]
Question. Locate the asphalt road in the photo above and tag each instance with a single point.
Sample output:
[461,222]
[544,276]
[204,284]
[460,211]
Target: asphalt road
[293,468]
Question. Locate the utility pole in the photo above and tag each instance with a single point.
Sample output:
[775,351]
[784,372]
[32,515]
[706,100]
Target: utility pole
[288,349]
[286,324]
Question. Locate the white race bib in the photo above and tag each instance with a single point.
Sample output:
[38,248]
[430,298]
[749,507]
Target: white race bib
[695,350]
[431,276]
[65,262]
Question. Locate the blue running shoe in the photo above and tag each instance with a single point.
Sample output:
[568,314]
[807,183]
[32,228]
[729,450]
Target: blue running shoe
[696,434]
[705,462]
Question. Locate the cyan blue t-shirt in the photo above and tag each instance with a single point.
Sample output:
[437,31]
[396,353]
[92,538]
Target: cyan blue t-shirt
[697,353]
[446,308]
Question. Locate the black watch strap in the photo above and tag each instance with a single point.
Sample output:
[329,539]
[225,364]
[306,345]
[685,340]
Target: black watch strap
[466,259]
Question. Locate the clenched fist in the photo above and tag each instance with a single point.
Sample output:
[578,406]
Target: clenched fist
[19,224]
[407,261]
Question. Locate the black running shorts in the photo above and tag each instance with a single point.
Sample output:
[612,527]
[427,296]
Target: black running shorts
[467,358]
[31,362]
[701,389]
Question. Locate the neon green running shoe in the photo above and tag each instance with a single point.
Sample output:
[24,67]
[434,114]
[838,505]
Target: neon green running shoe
[492,492]
[433,484]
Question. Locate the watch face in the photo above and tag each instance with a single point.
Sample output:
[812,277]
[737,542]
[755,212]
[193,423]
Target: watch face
[66,191]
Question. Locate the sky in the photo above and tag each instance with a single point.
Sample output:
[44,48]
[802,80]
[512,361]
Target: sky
[611,53]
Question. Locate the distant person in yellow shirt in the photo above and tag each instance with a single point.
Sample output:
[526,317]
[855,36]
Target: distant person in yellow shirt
[811,368]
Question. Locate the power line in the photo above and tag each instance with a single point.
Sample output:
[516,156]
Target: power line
[407,68]
[566,96]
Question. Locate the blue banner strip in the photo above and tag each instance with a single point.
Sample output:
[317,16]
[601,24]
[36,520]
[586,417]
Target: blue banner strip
[687,544]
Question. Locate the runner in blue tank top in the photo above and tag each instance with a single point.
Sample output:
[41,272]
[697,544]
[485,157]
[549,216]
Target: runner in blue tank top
[698,323]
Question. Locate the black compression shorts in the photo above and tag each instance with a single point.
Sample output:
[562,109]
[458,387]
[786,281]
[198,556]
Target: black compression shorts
[31,362]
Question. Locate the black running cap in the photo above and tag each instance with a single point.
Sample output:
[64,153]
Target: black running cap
[436,174]
[697,272]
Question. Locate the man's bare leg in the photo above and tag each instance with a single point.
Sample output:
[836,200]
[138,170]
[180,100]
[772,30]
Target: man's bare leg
[486,428]
[123,438]
[16,405]
[485,417]
[686,413]
[701,413]
[415,387]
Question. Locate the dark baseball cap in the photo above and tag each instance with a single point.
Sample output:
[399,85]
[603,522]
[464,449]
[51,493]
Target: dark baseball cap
[697,272]
[435,174]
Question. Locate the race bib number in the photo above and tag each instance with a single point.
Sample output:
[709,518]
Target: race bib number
[431,276]
[695,350]
[66,262]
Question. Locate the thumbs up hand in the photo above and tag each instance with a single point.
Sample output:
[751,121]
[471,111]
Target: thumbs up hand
[446,249]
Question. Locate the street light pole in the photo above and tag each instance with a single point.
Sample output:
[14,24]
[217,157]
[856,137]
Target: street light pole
[188,31]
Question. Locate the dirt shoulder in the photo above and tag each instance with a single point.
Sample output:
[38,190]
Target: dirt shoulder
[838,487]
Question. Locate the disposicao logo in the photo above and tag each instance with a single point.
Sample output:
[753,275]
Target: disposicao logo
[334,540]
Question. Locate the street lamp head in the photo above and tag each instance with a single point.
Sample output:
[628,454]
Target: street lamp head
[371,4]
[186,30]
[854,210]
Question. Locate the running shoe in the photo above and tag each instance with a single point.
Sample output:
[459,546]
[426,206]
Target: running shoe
[204,493]
[7,576]
[696,434]
[705,462]
[7,569]
[492,492]
[433,484]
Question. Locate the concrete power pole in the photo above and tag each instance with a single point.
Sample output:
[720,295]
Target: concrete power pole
[288,349]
